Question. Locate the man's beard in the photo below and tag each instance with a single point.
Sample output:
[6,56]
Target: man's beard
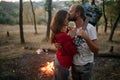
[72,19]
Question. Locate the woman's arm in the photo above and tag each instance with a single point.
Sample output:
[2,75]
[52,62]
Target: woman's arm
[67,44]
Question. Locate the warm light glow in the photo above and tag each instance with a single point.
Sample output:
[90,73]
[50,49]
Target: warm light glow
[48,68]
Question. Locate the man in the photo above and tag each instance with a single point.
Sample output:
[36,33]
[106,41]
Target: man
[82,68]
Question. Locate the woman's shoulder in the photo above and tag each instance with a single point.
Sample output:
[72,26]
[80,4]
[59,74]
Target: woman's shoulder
[61,34]
[62,37]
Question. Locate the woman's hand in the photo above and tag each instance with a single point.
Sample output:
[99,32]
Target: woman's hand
[57,45]
[72,32]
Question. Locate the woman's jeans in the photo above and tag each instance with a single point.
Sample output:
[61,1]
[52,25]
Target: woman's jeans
[60,73]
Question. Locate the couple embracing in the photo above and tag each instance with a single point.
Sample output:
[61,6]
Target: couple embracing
[69,54]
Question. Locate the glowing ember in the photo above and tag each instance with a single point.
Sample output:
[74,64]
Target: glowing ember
[48,68]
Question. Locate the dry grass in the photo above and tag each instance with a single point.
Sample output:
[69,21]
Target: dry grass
[15,59]
[11,45]
[104,44]
[38,40]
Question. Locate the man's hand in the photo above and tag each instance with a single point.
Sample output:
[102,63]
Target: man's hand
[83,34]
[58,45]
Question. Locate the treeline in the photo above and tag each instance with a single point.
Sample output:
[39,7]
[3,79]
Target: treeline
[8,13]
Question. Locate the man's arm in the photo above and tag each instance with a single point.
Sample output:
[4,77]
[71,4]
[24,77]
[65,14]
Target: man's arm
[93,45]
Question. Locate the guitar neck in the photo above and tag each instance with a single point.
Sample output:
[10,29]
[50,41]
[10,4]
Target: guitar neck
[86,22]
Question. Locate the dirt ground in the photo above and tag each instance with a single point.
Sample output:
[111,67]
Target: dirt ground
[21,61]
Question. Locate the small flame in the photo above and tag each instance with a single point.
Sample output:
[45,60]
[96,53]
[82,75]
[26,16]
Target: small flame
[48,68]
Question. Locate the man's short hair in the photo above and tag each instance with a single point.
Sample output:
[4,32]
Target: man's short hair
[80,9]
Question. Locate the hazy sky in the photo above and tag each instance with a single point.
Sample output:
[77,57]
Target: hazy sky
[32,0]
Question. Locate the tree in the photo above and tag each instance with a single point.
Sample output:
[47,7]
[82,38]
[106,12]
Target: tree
[21,22]
[49,9]
[8,13]
[34,17]
[27,19]
[105,18]
[93,2]
[114,27]
[84,1]
[110,12]
[117,12]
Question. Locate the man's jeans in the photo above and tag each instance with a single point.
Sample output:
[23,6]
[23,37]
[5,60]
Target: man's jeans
[60,72]
[82,72]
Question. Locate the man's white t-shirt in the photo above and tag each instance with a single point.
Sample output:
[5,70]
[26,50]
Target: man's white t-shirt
[84,55]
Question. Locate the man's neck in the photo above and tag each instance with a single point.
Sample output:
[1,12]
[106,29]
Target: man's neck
[79,22]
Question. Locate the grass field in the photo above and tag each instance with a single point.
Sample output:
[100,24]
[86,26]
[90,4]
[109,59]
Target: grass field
[21,62]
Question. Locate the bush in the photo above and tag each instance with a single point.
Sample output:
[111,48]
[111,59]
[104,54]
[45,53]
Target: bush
[42,21]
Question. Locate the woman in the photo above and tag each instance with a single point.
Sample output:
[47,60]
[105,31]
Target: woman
[64,55]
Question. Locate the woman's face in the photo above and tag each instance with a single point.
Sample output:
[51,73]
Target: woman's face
[64,29]
[66,21]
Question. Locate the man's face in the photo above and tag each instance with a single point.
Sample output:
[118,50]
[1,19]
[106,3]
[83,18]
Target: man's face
[72,14]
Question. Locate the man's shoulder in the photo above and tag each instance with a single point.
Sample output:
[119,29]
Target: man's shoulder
[90,26]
